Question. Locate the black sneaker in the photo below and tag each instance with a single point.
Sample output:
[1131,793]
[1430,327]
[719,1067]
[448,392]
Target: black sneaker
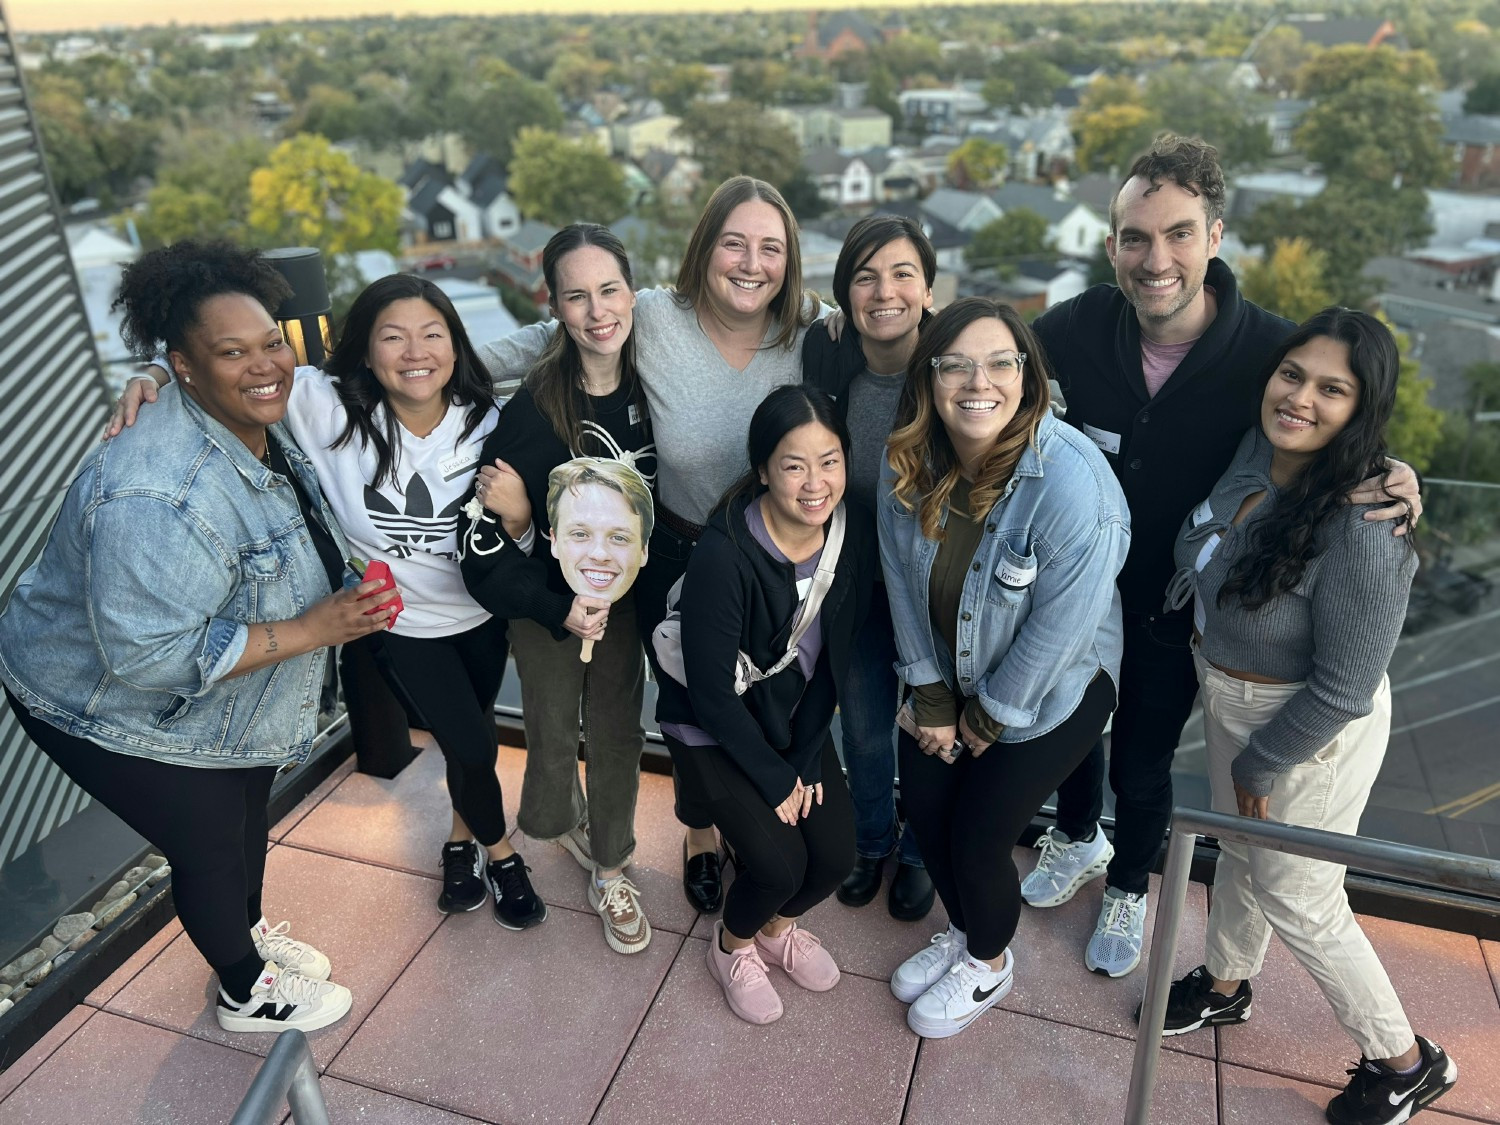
[516,904]
[463,878]
[1376,1094]
[1192,1003]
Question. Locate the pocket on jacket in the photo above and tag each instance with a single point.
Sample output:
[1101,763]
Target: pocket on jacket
[173,711]
[1013,578]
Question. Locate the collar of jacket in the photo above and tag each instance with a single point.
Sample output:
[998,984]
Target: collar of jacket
[249,466]
[1210,345]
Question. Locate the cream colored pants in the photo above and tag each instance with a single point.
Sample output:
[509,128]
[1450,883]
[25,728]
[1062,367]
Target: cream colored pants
[1257,890]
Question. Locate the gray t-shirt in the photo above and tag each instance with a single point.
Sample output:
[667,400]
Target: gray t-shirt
[872,413]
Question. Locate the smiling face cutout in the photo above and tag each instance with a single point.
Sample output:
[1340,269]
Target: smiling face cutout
[601,515]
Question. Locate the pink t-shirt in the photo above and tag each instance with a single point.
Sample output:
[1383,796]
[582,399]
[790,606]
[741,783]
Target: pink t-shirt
[1158,361]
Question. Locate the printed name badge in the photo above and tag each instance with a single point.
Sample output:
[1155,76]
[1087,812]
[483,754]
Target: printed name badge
[1016,577]
[1105,440]
[1202,513]
[459,463]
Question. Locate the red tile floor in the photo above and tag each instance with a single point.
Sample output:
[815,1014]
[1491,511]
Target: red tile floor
[457,1020]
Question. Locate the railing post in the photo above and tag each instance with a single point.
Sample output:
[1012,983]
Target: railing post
[288,1075]
[1171,901]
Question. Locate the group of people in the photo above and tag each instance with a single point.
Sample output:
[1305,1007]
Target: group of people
[1155,490]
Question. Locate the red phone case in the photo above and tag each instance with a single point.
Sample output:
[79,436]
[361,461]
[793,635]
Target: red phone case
[377,569]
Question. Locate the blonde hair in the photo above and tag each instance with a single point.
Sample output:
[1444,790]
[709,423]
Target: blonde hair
[572,475]
[922,455]
[791,309]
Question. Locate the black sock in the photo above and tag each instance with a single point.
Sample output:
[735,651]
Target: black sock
[236,980]
[1089,839]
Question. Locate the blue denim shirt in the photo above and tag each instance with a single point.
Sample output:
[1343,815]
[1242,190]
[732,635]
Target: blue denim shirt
[172,539]
[1040,612]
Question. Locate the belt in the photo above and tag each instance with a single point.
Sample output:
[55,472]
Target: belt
[692,532]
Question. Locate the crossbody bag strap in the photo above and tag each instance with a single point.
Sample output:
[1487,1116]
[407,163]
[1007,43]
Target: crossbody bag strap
[822,582]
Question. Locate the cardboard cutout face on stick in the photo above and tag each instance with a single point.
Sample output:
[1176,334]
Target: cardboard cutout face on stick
[601,514]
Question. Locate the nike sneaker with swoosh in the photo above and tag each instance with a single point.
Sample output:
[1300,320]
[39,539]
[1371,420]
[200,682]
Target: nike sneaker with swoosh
[1378,1095]
[960,995]
[1193,1003]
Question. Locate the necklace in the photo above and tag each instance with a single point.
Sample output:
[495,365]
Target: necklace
[265,458]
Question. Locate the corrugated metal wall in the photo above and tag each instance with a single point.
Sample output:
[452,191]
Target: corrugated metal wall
[52,404]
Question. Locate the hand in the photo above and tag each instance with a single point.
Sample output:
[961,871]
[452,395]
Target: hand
[587,618]
[790,809]
[138,389]
[810,794]
[501,490]
[1250,805]
[343,617]
[1398,483]
[834,324]
[976,745]
[936,740]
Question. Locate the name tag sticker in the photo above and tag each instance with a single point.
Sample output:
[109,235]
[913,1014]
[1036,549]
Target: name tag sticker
[1014,576]
[1105,440]
[459,463]
[803,586]
[634,414]
[1202,513]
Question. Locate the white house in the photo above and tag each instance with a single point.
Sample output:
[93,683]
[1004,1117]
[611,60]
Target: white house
[1073,227]
[843,179]
[966,210]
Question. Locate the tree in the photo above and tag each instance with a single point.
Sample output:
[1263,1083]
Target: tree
[560,181]
[976,164]
[1111,137]
[1416,427]
[499,105]
[1482,380]
[1281,55]
[577,75]
[202,186]
[734,138]
[1021,79]
[1289,281]
[1018,233]
[677,87]
[757,81]
[310,194]
[1200,102]
[1484,96]
[910,55]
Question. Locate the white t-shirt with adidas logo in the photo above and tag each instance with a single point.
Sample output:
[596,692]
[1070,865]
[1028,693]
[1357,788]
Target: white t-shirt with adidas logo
[411,522]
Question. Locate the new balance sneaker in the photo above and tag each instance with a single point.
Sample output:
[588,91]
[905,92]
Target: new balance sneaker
[618,904]
[1192,1003]
[962,993]
[288,953]
[282,998]
[801,956]
[742,976]
[1115,948]
[463,877]
[516,904]
[926,966]
[1377,1095]
[575,842]
[1064,866]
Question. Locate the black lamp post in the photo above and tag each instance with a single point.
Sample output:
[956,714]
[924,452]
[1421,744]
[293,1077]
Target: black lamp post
[304,316]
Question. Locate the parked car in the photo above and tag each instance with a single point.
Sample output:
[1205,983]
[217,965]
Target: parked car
[437,262]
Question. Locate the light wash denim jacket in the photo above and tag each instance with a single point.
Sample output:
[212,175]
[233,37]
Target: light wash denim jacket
[1040,612]
[172,539]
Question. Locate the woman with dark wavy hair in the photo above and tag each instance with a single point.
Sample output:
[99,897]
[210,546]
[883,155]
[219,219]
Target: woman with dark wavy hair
[1299,602]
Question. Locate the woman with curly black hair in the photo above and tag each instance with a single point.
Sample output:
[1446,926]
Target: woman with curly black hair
[167,649]
[1299,602]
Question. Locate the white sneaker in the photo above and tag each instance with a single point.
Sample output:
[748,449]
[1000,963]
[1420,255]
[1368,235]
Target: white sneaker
[1115,948]
[281,999]
[1064,866]
[575,842]
[968,988]
[288,953]
[618,904]
[926,967]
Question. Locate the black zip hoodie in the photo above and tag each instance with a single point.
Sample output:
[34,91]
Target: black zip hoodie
[736,597]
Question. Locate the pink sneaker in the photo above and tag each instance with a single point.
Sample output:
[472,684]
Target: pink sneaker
[802,956]
[742,975]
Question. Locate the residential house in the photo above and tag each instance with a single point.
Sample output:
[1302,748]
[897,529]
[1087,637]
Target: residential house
[927,167]
[1039,143]
[1073,227]
[676,177]
[1337,31]
[485,184]
[843,179]
[836,127]
[820,256]
[940,109]
[1034,287]
[965,210]
[840,33]
[1095,189]
[636,134]
[1281,118]
[520,266]
[1472,140]
[947,240]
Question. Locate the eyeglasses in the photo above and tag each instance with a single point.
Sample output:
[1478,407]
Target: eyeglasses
[1001,369]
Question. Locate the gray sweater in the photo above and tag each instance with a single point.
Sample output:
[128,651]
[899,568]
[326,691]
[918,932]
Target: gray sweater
[700,406]
[1334,633]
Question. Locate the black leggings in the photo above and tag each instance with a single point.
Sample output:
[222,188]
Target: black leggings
[449,685]
[968,816]
[210,824]
[782,869]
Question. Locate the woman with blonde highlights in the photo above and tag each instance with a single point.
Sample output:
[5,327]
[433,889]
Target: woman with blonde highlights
[1001,533]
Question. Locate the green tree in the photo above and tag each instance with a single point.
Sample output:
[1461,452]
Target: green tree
[1484,96]
[499,104]
[1290,281]
[1482,381]
[734,137]
[1281,55]
[757,81]
[310,194]
[1415,430]
[577,75]
[1109,138]
[677,87]
[976,164]
[910,55]
[560,181]
[1200,102]
[1021,79]
[1018,233]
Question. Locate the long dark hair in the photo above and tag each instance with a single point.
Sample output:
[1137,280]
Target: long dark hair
[361,392]
[779,413]
[1282,544]
[556,381]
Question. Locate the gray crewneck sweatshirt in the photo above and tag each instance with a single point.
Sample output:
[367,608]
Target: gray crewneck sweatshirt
[700,405]
[1335,632]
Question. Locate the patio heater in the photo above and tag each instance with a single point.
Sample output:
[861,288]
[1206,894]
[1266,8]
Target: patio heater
[304,316]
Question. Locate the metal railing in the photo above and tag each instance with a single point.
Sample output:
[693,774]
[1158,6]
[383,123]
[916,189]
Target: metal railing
[287,1077]
[1378,857]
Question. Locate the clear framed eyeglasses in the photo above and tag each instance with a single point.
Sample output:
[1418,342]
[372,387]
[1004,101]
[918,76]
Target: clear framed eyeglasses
[1001,369]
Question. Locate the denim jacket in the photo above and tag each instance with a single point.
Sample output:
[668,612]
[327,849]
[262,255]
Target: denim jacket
[1040,612]
[172,539]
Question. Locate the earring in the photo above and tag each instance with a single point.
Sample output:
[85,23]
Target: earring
[185,379]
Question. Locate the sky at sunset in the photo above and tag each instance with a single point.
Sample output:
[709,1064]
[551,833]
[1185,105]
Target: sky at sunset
[61,15]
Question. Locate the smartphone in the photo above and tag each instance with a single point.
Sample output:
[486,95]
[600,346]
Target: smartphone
[371,571]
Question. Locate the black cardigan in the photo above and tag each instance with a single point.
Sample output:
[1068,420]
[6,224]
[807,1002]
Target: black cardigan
[735,597]
[1172,447]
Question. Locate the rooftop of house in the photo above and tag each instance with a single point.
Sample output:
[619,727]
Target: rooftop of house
[1046,201]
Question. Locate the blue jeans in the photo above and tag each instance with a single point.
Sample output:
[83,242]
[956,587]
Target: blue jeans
[867,716]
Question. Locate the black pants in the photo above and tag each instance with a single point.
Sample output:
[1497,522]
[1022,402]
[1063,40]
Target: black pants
[1157,689]
[782,868]
[449,684]
[669,559]
[968,815]
[210,824]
